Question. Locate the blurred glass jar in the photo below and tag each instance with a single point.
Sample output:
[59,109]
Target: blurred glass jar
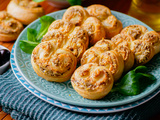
[59,3]
[147,11]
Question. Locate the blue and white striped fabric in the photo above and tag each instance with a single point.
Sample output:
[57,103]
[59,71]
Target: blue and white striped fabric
[22,105]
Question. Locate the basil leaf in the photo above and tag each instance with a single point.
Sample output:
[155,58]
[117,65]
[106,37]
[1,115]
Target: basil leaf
[38,0]
[27,46]
[45,23]
[130,83]
[31,34]
[74,2]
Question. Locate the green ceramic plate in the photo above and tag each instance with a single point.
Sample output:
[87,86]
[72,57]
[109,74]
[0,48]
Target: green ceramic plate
[64,92]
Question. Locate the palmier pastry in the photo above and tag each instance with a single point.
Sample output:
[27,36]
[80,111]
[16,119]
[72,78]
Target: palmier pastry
[124,39]
[51,63]
[94,28]
[154,39]
[113,61]
[92,81]
[136,31]
[99,11]
[127,56]
[77,42]
[92,54]
[143,51]
[10,28]
[76,15]
[25,11]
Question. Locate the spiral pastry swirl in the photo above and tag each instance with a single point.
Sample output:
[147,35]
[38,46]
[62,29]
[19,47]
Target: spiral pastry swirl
[53,63]
[92,81]
[10,28]
[25,11]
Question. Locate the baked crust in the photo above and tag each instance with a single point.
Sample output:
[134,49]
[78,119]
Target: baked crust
[53,63]
[143,51]
[25,11]
[94,28]
[136,31]
[99,11]
[92,81]
[10,28]
[76,15]
[153,38]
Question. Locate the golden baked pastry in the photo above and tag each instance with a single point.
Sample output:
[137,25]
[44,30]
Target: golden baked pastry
[154,39]
[92,81]
[112,26]
[99,11]
[127,56]
[92,54]
[77,42]
[76,15]
[53,63]
[113,61]
[143,51]
[10,28]
[94,28]
[136,31]
[25,11]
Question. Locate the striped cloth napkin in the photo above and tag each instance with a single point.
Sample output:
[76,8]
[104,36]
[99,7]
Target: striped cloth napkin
[22,105]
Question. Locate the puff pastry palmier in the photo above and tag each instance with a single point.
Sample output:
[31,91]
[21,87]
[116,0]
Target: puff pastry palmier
[77,42]
[113,61]
[127,56]
[92,81]
[99,11]
[143,51]
[136,31]
[10,28]
[112,26]
[76,15]
[51,63]
[154,39]
[124,39]
[25,11]
[94,28]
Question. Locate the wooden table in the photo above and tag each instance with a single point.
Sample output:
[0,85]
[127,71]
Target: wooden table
[118,5]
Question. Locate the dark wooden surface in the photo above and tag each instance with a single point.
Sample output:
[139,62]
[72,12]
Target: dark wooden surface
[117,5]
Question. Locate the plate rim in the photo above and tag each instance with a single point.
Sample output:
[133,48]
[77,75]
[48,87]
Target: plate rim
[74,102]
[73,107]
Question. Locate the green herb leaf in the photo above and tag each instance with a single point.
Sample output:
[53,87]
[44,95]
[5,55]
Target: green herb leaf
[31,34]
[45,23]
[28,46]
[38,0]
[130,83]
[74,2]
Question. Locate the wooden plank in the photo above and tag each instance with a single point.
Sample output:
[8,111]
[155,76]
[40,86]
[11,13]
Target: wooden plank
[8,117]
[2,115]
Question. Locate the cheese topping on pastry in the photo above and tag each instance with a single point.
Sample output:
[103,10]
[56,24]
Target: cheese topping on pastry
[92,81]
[27,3]
[136,31]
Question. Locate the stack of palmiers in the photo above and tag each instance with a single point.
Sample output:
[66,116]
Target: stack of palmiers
[66,41]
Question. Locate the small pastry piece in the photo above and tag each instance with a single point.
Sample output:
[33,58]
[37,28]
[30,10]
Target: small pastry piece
[94,28]
[25,11]
[76,15]
[92,54]
[154,39]
[99,11]
[124,39]
[113,61]
[136,31]
[112,26]
[92,81]
[62,25]
[77,42]
[143,51]
[127,56]
[10,28]
[51,63]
